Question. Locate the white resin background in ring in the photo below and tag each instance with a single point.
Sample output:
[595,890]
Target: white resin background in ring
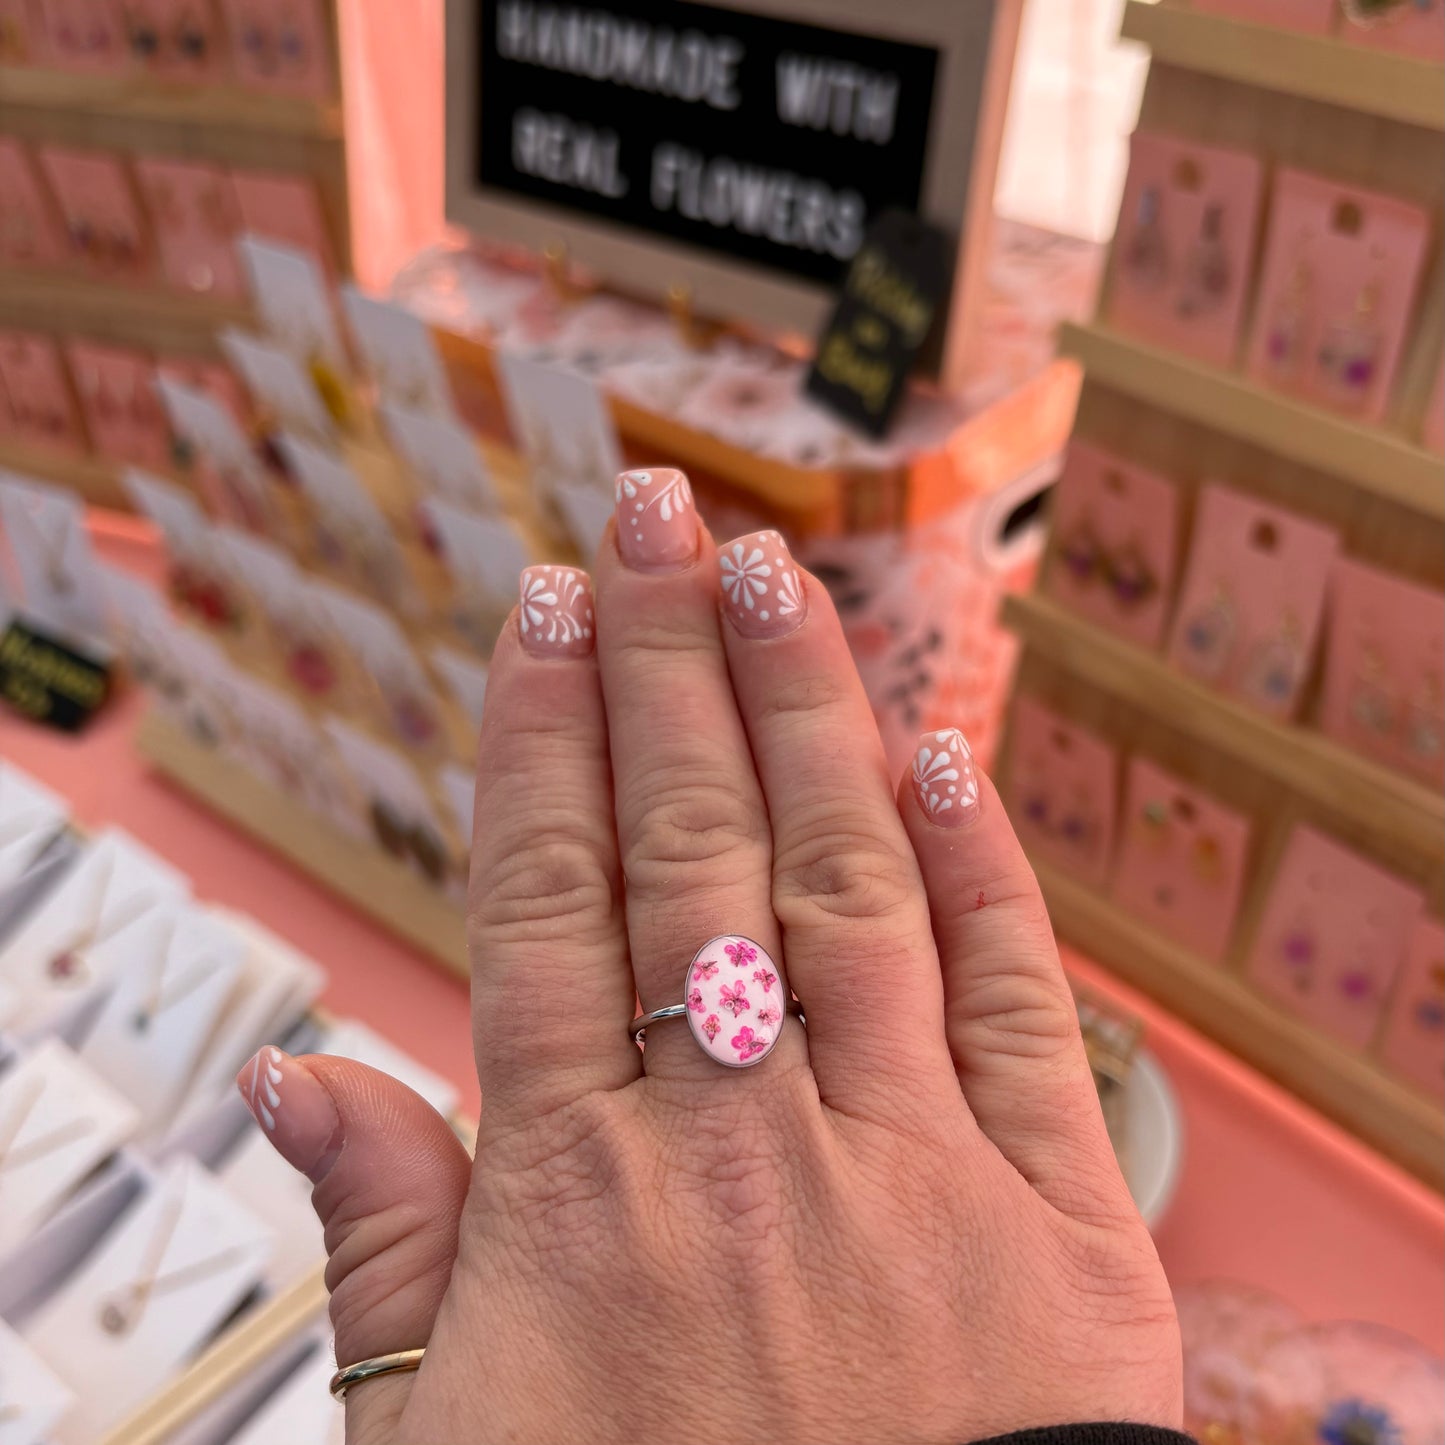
[736,1000]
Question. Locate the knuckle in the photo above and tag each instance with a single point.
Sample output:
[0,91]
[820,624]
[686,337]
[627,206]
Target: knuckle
[545,887]
[688,821]
[1011,1006]
[835,874]
[801,699]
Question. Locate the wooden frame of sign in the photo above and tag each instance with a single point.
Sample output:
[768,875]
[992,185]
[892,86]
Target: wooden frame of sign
[751,206]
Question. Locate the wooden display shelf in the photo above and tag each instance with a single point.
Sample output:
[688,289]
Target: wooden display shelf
[365,877]
[1374,799]
[145,98]
[1379,462]
[1349,1088]
[143,315]
[1316,67]
[97,482]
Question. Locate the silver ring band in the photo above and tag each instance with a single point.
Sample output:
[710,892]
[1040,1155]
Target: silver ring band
[638,1027]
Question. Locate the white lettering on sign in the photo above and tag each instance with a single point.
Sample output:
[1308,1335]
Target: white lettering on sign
[567,153]
[757,201]
[690,66]
[834,96]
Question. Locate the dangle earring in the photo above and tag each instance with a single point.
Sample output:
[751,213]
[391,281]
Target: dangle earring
[1208,637]
[1349,353]
[1371,706]
[1146,255]
[1130,578]
[1080,553]
[1207,271]
[1300,950]
[1274,671]
[1284,345]
[1425,720]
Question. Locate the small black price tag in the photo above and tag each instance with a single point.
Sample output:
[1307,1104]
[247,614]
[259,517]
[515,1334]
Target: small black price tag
[49,681]
[881,322]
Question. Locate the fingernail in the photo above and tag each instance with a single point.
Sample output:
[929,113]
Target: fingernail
[557,614]
[294,1108]
[656,520]
[762,592]
[945,780]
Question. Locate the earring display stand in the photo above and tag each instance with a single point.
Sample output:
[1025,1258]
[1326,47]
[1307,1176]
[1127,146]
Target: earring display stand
[1362,117]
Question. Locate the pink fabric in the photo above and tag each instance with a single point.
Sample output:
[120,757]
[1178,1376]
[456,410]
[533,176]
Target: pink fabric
[1271,1194]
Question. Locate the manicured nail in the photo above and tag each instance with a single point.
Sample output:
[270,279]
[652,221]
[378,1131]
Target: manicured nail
[656,520]
[762,592]
[557,614]
[294,1108]
[944,778]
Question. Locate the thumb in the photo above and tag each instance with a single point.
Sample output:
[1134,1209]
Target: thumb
[389,1178]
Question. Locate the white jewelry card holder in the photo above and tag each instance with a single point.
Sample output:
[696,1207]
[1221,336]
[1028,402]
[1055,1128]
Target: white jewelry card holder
[293,302]
[186,528]
[49,960]
[32,1397]
[58,1122]
[204,679]
[45,529]
[166,1275]
[35,846]
[398,352]
[349,1039]
[586,512]
[562,423]
[173,972]
[485,555]
[301,1409]
[206,425]
[458,787]
[258,1177]
[466,679]
[373,637]
[443,456]
[279,389]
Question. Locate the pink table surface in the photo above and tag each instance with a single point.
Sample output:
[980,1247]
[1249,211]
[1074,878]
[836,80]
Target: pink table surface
[1270,1194]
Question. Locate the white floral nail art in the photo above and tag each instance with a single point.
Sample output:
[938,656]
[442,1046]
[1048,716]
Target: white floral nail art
[263,1087]
[656,525]
[557,617]
[944,778]
[762,586]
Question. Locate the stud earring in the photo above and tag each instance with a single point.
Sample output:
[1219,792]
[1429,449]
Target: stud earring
[1298,950]
[1155,826]
[1206,858]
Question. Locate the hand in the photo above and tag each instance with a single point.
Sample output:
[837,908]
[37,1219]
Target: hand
[904,1226]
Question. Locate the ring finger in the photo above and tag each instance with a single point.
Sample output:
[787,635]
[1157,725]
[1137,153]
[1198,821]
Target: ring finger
[692,826]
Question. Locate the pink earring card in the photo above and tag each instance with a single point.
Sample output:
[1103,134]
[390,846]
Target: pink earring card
[29,235]
[285,209]
[1253,595]
[1116,531]
[1183,257]
[1414,1043]
[1416,29]
[1182,859]
[116,387]
[85,35]
[178,39]
[1384,682]
[1341,269]
[196,219]
[1063,791]
[104,229]
[1333,937]
[35,393]
[281,46]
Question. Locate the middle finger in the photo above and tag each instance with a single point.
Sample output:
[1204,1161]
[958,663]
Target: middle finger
[692,826]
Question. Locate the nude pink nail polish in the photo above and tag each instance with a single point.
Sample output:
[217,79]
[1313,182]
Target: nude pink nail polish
[294,1109]
[945,781]
[762,590]
[656,520]
[557,617]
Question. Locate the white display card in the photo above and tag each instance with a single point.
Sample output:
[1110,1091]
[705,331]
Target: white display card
[33,1399]
[399,353]
[30,817]
[443,457]
[465,677]
[485,555]
[292,301]
[278,387]
[586,511]
[169,1272]
[185,527]
[563,423]
[45,528]
[173,972]
[301,1411]
[256,1176]
[375,639]
[382,772]
[58,1121]
[459,790]
[350,1039]
[50,961]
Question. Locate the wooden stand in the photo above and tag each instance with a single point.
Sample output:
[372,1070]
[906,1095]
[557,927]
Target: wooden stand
[385,890]
[1372,119]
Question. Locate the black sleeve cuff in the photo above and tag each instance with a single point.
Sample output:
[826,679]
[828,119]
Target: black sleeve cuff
[1098,1433]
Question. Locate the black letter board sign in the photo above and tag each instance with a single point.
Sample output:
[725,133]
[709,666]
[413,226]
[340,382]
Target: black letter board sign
[739,149]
